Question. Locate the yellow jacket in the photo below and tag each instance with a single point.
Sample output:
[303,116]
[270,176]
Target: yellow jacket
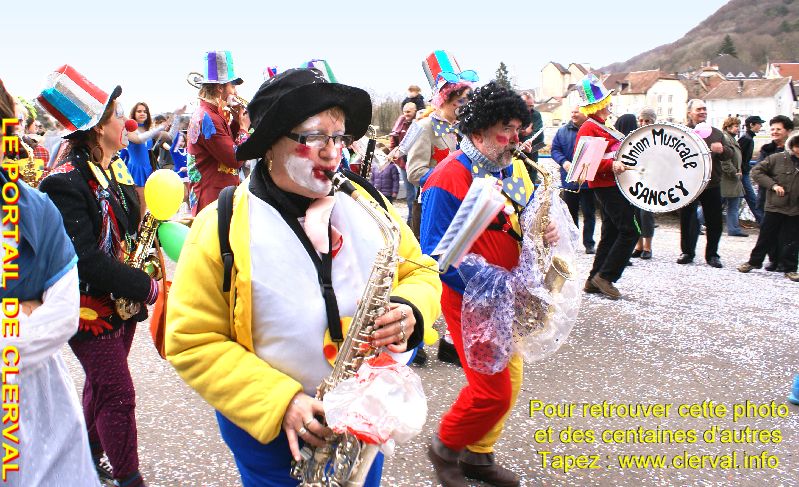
[209,337]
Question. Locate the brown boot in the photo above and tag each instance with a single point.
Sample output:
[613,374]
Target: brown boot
[445,463]
[590,288]
[607,287]
[481,466]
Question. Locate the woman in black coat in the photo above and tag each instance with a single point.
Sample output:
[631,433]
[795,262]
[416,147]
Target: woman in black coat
[100,208]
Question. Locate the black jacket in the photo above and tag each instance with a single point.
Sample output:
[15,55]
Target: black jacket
[769,149]
[418,100]
[747,143]
[100,274]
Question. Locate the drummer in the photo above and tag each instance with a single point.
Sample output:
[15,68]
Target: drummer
[619,233]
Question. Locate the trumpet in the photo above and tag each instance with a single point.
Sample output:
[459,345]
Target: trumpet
[196,80]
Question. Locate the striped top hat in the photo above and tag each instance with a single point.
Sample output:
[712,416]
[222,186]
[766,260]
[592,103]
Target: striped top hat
[441,68]
[592,91]
[73,100]
[322,66]
[219,68]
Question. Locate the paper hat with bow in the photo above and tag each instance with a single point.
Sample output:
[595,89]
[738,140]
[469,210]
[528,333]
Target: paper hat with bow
[218,68]
[441,67]
[593,94]
[73,100]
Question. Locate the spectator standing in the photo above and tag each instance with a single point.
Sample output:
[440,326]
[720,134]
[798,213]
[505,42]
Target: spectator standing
[710,198]
[576,196]
[415,97]
[779,173]
[534,128]
[779,128]
[747,144]
[140,143]
[646,219]
[386,178]
[732,189]
[396,137]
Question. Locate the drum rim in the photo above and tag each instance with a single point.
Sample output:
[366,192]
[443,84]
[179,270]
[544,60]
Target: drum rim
[704,152]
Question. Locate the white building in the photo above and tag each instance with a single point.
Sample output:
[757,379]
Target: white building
[655,89]
[763,97]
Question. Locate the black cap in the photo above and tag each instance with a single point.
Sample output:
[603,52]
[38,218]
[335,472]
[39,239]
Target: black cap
[754,119]
[285,101]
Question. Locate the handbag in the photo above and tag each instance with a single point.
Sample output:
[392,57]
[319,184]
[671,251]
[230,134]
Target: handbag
[158,318]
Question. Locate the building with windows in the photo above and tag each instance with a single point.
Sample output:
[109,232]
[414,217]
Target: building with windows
[763,97]
[638,89]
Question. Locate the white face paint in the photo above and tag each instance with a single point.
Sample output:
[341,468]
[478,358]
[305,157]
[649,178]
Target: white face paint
[301,171]
[310,123]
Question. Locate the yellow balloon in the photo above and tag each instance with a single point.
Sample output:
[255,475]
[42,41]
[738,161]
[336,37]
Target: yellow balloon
[163,193]
[430,335]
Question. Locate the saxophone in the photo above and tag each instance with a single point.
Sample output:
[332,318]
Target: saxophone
[534,319]
[345,460]
[141,259]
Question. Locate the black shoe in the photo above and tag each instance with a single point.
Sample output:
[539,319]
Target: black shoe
[637,253]
[420,358]
[714,262]
[446,465]
[447,353]
[738,235]
[773,267]
[685,259]
[481,466]
[590,249]
[646,254]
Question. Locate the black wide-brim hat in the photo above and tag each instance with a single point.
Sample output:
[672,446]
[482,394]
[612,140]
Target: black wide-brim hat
[288,99]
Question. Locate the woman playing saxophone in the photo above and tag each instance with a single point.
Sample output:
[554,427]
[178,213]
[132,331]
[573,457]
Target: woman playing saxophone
[302,262]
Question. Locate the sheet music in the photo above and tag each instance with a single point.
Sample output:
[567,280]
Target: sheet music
[587,156]
[482,203]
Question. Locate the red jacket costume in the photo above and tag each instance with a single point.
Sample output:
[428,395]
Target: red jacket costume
[604,176]
[212,155]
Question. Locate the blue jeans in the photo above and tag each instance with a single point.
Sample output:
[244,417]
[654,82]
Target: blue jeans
[751,198]
[269,465]
[733,225]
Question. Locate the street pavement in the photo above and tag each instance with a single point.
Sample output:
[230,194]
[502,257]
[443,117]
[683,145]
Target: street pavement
[680,335]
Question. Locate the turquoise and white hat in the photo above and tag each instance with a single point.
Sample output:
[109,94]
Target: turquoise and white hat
[219,68]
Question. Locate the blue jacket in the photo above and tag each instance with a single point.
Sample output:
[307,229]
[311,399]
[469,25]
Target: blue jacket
[563,150]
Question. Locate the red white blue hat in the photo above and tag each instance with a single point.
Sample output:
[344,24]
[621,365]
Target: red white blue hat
[441,68]
[219,68]
[73,100]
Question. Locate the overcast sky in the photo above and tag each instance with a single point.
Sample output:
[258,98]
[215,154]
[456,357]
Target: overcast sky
[149,47]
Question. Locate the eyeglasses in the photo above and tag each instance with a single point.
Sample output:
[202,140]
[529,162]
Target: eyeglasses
[119,111]
[468,75]
[319,141]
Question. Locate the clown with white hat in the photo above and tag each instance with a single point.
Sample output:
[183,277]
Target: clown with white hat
[100,212]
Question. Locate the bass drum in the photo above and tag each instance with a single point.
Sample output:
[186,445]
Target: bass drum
[668,166]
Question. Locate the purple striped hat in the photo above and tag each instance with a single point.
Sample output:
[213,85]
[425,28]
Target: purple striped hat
[219,68]
[591,90]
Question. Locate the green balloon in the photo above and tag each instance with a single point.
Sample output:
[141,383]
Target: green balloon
[172,236]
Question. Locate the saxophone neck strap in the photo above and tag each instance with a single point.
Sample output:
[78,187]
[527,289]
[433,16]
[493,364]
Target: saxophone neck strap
[323,263]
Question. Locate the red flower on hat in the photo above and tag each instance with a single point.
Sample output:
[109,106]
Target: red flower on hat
[94,312]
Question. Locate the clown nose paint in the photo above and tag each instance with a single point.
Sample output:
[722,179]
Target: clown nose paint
[131,125]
